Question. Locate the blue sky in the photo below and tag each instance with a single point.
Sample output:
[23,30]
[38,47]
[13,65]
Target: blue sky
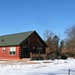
[40,15]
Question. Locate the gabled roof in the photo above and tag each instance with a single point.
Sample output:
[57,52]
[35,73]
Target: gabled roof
[14,39]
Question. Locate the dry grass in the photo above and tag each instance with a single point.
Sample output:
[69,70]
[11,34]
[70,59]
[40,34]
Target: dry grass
[17,62]
[32,62]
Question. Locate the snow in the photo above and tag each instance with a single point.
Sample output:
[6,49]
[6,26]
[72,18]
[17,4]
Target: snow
[40,67]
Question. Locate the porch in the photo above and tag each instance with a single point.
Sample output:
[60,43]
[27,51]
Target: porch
[38,54]
[34,56]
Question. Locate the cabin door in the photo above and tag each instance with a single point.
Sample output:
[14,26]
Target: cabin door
[25,53]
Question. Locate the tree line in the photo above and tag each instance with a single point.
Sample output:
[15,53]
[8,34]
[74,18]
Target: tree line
[56,44]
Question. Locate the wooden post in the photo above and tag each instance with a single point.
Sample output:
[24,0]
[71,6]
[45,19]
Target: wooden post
[69,72]
[31,55]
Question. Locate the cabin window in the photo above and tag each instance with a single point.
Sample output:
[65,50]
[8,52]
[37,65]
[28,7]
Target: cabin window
[3,49]
[12,51]
[40,50]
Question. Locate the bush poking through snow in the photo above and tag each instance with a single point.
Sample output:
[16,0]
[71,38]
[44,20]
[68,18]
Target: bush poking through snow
[64,57]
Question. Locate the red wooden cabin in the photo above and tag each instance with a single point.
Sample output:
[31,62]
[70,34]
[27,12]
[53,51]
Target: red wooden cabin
[22,45]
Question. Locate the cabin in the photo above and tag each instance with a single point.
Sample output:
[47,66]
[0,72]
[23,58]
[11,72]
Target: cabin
[22,46]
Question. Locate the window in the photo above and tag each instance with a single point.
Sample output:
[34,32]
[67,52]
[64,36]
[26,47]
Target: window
[12,51]
[40,50]
[3,49]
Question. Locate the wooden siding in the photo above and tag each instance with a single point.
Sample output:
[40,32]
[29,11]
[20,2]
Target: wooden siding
[32,47]
[6,55]
[33,43]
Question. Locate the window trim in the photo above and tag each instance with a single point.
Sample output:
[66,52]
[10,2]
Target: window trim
[40,50]
[12,51]
[3,51]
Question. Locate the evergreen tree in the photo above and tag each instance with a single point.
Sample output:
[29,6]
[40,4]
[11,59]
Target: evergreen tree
[61,45]
[55,45]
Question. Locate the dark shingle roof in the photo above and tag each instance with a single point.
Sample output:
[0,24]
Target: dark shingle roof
[14,39]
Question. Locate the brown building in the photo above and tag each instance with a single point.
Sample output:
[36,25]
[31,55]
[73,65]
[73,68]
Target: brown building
[22,45]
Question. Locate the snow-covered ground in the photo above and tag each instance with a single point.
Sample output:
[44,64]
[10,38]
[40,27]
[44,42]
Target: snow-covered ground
[41,67]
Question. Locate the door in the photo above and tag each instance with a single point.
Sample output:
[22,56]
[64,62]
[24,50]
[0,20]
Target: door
[25,53]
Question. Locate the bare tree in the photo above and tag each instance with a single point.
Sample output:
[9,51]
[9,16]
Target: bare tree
[70,39]
[70,33]
[48,35]
[52,41]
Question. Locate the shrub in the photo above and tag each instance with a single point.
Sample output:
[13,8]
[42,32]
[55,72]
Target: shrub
[64,56]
